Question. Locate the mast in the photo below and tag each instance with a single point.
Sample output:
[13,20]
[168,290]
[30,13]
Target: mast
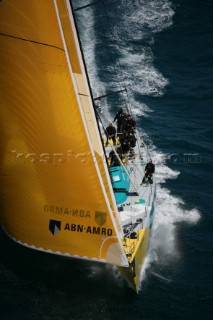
[86,72]
[78,73]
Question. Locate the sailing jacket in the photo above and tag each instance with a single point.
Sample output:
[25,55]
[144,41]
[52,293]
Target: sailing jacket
[111,130]
[150,167]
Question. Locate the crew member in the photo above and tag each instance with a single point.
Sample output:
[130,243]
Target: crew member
[125,142]
[149,170]
[129,124]
[120,119]
[133,140]
[111,134]
[114,158]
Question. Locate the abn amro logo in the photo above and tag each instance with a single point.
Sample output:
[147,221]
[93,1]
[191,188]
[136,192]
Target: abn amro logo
[54,226]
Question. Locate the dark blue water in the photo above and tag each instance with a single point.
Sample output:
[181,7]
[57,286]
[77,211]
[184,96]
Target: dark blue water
[163,52]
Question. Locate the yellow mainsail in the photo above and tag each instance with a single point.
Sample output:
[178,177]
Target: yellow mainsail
[55,188]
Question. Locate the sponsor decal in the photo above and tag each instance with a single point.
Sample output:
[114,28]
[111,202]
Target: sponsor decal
[66,211]
[91,230]
[54,226]
[100,217]
[125,204]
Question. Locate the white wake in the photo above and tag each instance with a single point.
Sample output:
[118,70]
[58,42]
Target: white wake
[139,21]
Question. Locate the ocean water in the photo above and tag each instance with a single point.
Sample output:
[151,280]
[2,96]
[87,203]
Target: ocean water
[162,51]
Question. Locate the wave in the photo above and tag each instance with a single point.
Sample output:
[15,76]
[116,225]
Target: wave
[139,21]
[169,211]
[153,15]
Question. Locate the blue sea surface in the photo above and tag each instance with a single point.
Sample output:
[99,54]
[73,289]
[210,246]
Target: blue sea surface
[162,51]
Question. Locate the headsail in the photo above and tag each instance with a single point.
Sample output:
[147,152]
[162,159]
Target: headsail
[55,188]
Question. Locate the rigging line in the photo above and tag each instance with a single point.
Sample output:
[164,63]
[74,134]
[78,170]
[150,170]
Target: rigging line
[147,150]
[110,30]
[32,41]
[103,115]
[143,194]
[107,48]
[110,204]
[121,163]
[109,94]
[102,29]
[137,169]
[150,194]
[87,77]
[119,64]
[106,118]
[139,138]
[87,5]
[128,99]
[109,120]
[79,22]
[105,38]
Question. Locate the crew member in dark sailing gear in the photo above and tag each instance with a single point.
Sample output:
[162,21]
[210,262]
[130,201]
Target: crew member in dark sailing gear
[114,161]
[120,118]
[111,134]
[132,140]
[149,170]
[125,142]
[129,124]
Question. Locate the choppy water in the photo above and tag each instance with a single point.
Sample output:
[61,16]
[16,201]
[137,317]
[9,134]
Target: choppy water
[162,51]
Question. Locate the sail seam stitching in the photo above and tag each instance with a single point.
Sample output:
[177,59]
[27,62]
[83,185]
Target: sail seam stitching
[32,41]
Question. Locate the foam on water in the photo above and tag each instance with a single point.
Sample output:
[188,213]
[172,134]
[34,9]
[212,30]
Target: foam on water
[140,109]
[140,20]
[87,35]
[154,16]
[137,20]
[144,78]
[169,211]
